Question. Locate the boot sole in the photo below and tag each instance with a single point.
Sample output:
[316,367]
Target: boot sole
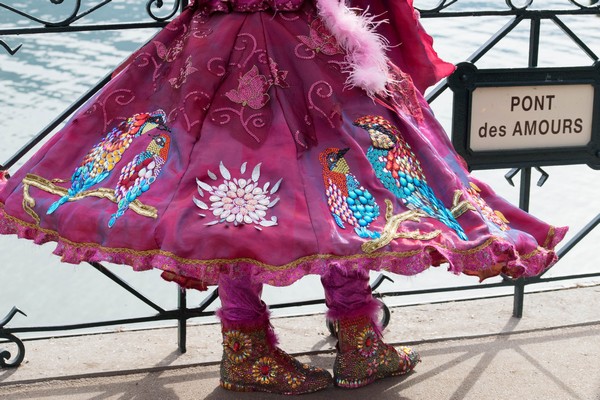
[357,383]
[237,387]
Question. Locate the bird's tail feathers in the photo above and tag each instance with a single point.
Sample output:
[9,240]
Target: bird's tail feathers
[449,220]
[57,204]
[123,205]
[364,233]
[113,219]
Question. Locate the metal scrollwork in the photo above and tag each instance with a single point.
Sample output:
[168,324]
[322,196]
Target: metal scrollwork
[10,50]
[442,4]
[513,172]
[515,7]
[593,4]
[152,6]
[5,355]
[68,20]
[159,4]
[157,10]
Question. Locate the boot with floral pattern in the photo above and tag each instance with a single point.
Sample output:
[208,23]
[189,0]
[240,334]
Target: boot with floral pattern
[363,357]
[252,362]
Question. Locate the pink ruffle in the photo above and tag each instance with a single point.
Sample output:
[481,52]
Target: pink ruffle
[492,257]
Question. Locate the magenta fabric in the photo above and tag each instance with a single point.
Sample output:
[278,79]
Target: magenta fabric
[240,300]
[347,293]
[411,47]
[241,306]
[234,178]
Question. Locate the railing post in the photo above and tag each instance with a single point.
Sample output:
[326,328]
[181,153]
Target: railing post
[525,188]
[524,195]
[519,298]
[182,320]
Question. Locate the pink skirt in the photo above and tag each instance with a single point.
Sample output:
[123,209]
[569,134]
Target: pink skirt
[231,142]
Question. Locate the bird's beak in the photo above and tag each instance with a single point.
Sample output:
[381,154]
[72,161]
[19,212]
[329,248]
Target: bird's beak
[342,152]
[148,127]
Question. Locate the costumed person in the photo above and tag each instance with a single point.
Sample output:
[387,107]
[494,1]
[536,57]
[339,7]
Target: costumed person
[254,142]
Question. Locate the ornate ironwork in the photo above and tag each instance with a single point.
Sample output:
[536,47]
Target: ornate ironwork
[11,51]
[159,4]
[442,5]
[77,13]
[513,172]
[5,355]
[74,16]
[512,6]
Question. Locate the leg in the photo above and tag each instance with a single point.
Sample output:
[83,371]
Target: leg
[241,302]
[362,356]
[251,359]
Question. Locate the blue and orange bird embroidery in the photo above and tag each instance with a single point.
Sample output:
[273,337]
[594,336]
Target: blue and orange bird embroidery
[400,172]
[102,158]
[137,176]
[348,201]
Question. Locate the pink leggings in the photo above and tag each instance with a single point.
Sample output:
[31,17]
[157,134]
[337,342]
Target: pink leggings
[347,293]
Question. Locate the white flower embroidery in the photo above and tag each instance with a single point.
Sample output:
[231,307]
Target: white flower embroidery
[238,201]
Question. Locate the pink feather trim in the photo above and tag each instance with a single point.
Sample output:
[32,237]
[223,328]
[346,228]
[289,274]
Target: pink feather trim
[367,62]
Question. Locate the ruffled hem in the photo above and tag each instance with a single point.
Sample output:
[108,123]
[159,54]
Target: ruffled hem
[492,257]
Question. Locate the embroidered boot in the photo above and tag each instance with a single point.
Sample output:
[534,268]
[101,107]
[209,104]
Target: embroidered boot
[363,357]
[252,362]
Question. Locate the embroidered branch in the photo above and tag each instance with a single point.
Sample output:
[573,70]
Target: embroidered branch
[49,187]
[390,231]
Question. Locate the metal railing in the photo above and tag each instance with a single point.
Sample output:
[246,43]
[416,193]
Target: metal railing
[74,22]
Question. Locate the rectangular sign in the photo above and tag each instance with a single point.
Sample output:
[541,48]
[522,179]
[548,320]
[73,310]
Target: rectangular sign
[529,117]
[526,117]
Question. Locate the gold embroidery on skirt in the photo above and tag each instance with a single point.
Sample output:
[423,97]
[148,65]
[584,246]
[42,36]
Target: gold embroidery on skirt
[460,207]
[549,237]
[29,202]
[49,187]
[390,231]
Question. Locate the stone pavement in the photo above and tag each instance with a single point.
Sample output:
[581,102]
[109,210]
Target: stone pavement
[470,349]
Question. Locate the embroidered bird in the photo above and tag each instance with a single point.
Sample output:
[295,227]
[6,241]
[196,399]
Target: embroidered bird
[397,167]
[102,158]
[348,201]
[137,176]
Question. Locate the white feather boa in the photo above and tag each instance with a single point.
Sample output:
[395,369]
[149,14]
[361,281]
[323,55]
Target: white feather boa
[367,62]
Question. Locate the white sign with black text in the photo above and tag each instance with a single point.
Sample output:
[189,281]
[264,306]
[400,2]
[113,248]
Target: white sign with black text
[529,117]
